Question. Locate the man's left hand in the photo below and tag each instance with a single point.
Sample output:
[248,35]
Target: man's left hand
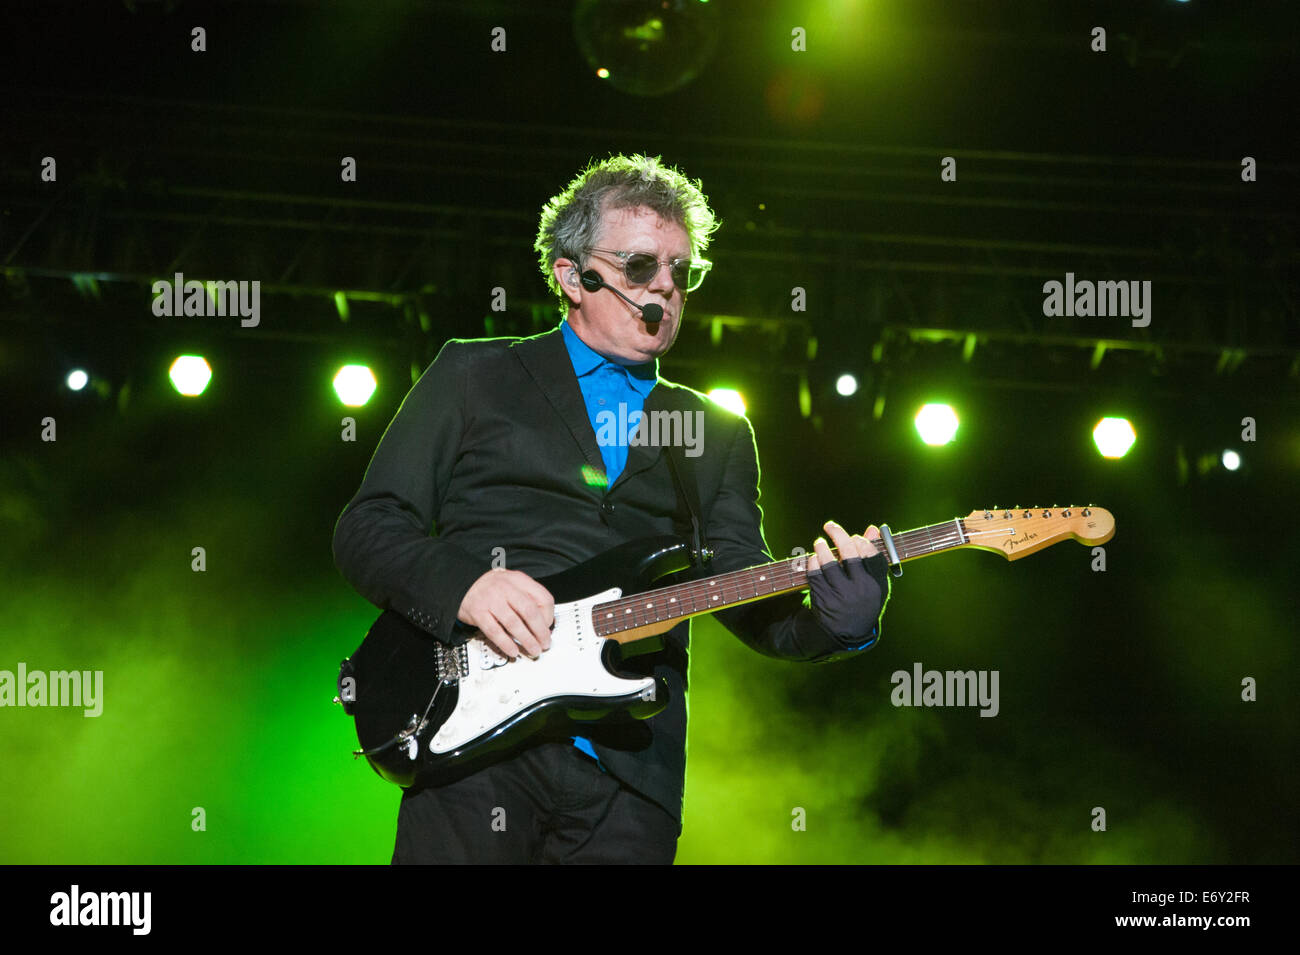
[846,596]
[857,545]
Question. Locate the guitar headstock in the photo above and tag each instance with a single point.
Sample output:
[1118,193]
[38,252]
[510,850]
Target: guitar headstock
[1015,532]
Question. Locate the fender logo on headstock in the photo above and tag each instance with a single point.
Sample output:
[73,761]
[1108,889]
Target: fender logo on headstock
[1013,544]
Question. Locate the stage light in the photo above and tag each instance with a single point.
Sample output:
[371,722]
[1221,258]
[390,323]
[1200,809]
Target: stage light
[729,398]
[354,384]
[77,379]
[190,375]
[936,424]
[1113,437]
[1231,460]
[846,385]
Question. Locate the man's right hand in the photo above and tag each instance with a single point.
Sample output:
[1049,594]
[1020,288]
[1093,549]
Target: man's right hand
[514,612]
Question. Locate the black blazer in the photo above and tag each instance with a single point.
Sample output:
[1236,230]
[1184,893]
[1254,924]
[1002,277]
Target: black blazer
[493,448]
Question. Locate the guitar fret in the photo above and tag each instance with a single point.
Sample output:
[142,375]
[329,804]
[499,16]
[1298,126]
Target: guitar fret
[736,587]
[685,600]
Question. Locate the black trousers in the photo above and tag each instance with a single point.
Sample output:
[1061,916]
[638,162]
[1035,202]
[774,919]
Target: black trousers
[550,804]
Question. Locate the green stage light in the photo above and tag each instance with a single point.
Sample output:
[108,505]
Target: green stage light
[936,424]
[77,379]
[1113,437]
[190,375]
[846,385]
[354,384]
[729,398]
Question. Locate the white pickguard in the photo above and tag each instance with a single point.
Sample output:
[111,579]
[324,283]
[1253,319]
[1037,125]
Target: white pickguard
[497,688]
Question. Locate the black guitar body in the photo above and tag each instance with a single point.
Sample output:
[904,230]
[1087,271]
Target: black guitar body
[388,685]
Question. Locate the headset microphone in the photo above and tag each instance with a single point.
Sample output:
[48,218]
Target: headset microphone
[592,282]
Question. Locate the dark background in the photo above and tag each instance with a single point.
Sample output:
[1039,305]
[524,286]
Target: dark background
[1119,689]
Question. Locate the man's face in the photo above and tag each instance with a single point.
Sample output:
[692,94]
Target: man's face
[604,321]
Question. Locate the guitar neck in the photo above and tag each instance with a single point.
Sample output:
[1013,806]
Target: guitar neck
[1013,534]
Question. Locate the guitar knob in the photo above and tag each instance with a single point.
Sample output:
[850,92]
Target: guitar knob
[1047,513]
[988,516]
[1087,512]
[1028,514]
[1006,516]
[1066,512]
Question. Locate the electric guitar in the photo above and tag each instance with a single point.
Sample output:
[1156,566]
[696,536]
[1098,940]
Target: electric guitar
[425,711]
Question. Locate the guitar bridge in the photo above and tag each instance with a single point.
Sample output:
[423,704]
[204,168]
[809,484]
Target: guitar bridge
[453,663]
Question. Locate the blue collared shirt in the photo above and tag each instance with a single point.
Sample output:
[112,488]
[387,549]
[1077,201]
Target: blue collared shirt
[615,397]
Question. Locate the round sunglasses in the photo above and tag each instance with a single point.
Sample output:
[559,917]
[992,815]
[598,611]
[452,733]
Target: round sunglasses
[640,267]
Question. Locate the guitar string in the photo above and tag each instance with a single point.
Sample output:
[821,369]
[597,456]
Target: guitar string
[794,577]
[742,580]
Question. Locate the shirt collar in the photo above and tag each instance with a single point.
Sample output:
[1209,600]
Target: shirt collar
[586,360]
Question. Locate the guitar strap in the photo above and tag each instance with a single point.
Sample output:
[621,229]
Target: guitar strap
[688,491]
